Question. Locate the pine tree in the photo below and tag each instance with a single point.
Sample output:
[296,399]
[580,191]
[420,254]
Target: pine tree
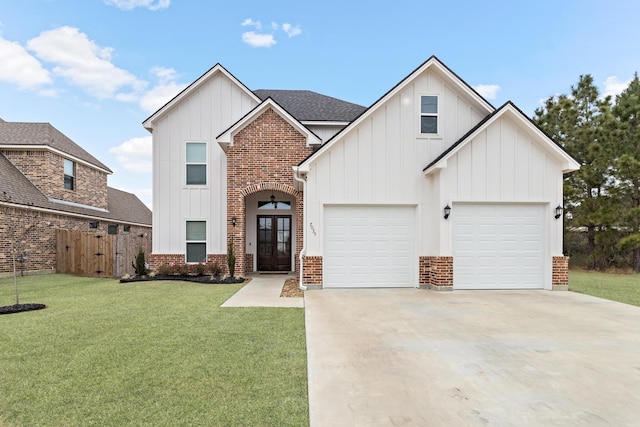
[581,123]
[627,167]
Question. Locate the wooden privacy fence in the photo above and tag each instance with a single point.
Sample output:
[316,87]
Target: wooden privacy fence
[98,254]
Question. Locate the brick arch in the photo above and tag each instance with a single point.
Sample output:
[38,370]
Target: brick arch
[270,186]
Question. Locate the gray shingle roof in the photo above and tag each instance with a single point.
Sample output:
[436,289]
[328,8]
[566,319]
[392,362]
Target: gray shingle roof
[306,105]
[122,206]
[19,133]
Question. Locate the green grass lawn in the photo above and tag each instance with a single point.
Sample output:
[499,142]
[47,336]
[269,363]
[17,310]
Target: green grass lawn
[150,353]
[616,287]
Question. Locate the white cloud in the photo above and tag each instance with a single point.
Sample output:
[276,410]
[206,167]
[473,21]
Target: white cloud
[487,91]
[251,23]
[291,30]
[82,62]
[134,154]
[613,86]
[162,92]
[132,4]
[258,40]
[20,68]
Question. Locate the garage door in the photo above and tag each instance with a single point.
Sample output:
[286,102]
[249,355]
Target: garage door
[369,246]
[498,246]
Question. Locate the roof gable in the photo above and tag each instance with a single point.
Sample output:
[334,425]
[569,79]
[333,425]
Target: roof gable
[569,164]
[186,92]
[225,139]
[433,63]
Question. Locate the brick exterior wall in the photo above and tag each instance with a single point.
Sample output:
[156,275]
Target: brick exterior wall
[46,171]
[260,159]
[436,272]
[39,242]
[560,273]
[312,273]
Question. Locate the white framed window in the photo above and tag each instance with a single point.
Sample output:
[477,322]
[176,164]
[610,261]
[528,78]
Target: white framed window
[69,175]
[196,169]
[196,241]
[429,114]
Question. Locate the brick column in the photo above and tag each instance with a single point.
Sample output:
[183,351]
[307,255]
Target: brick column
[560,273]
[312,274]
[436,272]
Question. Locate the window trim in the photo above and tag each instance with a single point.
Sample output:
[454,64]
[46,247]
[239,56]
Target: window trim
[205,164]
[187,241]
[436,115]
[72,177]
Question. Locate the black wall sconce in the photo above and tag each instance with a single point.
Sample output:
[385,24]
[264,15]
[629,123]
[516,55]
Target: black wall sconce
[559,210]
[93,224]
[233,220]
[447,211]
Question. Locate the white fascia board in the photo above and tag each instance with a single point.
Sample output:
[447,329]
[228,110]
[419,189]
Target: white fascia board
[56,151]
[225,139]
[149,122]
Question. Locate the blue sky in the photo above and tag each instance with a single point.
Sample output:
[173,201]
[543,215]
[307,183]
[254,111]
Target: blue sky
[95,69]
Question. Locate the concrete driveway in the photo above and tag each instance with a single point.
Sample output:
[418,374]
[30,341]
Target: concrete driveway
[409,357]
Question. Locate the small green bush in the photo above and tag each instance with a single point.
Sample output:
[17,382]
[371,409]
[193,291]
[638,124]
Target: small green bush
[215,269]
[231,258]
[197,269]
[140,264]
[165,269]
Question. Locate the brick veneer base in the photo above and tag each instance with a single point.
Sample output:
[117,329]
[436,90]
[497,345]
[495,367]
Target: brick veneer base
[312,266]
[436,272]
[560,273]
[156,260]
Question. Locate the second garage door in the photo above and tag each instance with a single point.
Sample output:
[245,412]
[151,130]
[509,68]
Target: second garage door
[498,246]
[369,246]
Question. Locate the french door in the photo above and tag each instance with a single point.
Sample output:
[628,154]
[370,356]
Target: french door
[274,243]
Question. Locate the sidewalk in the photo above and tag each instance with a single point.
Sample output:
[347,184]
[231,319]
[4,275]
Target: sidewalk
[263,291]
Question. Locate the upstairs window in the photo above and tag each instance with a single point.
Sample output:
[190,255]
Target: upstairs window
[196,241]
[69,175]
[429,114]
[196,163]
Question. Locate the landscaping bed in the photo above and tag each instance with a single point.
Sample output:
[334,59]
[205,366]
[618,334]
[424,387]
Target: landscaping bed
[19,308]
[197,279]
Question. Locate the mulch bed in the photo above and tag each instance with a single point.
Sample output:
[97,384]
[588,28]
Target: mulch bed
[291,289]
[19,308]
[198,279]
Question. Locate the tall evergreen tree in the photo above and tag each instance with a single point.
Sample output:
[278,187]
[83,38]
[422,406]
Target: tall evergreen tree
[581,123]
[627,166]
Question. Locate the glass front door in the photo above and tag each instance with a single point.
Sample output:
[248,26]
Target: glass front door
[274,243]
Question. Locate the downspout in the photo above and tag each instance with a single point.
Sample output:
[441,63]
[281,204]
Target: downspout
[304,234]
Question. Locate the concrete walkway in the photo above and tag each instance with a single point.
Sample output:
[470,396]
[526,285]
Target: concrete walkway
[409,357]
[263,291]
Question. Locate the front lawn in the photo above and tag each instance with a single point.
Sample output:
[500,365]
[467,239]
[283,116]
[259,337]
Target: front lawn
[616,287]
[149,353]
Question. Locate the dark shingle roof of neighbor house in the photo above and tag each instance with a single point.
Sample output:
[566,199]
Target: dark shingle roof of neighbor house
[306,105]
[17,189]
[19,133]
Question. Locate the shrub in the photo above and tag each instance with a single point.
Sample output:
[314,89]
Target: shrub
[165,270]
[231,258]
[140,264]
[197,269]
[215,269]
[181,270]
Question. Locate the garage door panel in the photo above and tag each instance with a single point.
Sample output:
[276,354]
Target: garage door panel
[498,246]
[369,246]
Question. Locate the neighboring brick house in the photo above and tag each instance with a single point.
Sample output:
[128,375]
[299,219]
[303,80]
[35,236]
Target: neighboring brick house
[48,182]
[431,186]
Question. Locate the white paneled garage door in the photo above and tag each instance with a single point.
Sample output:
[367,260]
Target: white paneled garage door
[498,246]
[369,246]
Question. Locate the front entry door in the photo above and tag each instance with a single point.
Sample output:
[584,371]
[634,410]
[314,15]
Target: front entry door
[274,243]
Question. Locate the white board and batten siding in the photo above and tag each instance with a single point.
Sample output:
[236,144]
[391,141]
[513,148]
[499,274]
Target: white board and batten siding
[210,109]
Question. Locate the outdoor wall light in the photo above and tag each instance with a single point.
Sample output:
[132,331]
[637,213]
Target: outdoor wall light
[93,224]
[447,211]
[233,220]
[558,211]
